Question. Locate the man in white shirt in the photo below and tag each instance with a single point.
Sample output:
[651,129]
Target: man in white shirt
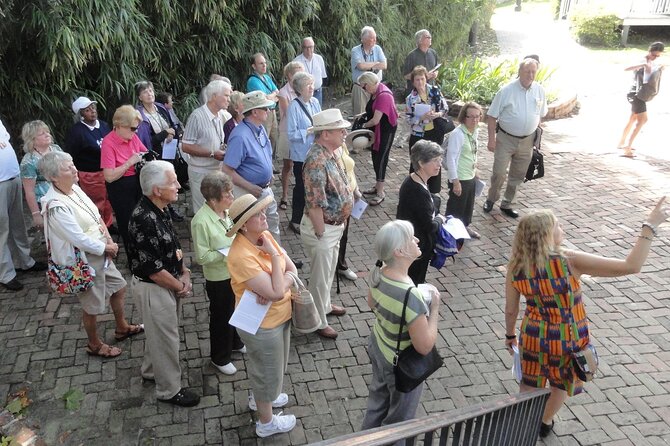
[14,244]
[314,65]
[512,119]
[368,56]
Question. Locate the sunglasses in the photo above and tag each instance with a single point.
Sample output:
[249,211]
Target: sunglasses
[134,129]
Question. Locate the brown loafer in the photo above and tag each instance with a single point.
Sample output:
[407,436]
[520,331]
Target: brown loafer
[337,311]
[327,332]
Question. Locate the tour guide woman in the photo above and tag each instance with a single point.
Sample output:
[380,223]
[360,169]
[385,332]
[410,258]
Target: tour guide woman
[260,267]
[554,324]
[396,248]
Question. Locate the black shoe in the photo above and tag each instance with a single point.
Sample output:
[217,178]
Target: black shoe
[176,216]
[298,264]
[13,285]
[488,205]
[38,266]
[546,428]
[295,227]
[510,212]
[275,171]
[183,398]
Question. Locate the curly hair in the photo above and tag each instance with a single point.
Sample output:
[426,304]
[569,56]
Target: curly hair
[533,242]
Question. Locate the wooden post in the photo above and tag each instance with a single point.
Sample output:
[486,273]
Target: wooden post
[624,34]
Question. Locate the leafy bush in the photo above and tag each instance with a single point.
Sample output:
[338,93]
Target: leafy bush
[595,26]
[473,79]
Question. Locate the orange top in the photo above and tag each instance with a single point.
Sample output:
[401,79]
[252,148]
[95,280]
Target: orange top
[246,261]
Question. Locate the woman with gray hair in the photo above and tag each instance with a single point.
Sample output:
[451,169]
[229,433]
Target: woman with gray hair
[415,203]
[73,222]
[211,245]
[390,284]
[300,113]
[286,95]
[83,142]
[235,107]
[37,142]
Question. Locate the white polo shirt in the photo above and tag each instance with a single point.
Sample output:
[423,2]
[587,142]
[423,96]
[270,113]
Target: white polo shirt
[519,110]
[315,67]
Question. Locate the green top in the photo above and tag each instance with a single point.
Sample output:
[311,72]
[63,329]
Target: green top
[389,296]
[209,235]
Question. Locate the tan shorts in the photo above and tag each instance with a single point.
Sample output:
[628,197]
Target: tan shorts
[107,282]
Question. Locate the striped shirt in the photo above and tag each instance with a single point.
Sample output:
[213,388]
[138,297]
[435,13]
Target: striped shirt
[205,129]
[389,296]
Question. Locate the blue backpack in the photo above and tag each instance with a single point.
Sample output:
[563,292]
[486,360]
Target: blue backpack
[446,246]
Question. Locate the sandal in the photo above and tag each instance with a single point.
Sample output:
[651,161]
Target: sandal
[371,191]
[283,204]
[132,331]
[376,200]
[104,351]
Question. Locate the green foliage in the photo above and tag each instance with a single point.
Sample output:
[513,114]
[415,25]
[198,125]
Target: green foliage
[474,79]
[596,27]
[53,51]
[7,441]
[73,399]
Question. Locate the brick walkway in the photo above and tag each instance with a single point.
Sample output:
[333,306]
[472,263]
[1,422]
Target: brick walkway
[601,200]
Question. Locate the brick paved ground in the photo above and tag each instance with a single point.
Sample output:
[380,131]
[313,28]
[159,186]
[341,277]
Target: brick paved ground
[601,200]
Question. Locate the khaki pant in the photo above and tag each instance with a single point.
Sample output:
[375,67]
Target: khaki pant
[323,259]
[516,154]
[272,127]
[194,182]
[14,244]
[159,308]
[359,99]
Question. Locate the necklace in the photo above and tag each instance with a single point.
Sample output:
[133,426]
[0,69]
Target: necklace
[48,149]
[257,135]
[424,183]
[81,204]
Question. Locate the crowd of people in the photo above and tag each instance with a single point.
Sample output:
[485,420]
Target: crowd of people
[129,174]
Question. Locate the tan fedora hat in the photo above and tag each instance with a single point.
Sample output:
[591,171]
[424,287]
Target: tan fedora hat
[255,99]
[244,208]
[330,119]
[360,139]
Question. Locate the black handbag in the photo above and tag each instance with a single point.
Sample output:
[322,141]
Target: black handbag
[536,166]
[410,367]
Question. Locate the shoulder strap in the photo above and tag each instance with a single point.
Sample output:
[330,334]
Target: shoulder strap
[263,80]
[402,324]
[309,116]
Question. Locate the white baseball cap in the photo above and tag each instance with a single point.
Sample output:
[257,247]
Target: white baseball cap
[80,103]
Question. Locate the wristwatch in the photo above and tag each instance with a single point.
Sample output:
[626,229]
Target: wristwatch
[318,236]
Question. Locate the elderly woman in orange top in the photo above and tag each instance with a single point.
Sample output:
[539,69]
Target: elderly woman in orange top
[260,267]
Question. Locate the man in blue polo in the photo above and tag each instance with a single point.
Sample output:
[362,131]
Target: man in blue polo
[368,56]
[248,160]
[260,80]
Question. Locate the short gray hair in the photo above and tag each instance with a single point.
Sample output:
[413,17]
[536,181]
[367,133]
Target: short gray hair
[424,151]
[529,61]
[394,235]
[153,174]
[49,165]
[365,31]
[216,87]
[306,39]
[300,80]
[214,184]
[419,35]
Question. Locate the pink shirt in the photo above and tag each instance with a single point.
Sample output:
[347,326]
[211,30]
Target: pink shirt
[115,151]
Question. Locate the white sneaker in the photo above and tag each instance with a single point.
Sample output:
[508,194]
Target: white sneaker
[242,350]
[280,423]
[281,401]
[347,274]
[228,369]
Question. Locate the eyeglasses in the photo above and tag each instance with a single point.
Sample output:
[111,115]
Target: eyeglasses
[307,47]
[134,129]
[474,117]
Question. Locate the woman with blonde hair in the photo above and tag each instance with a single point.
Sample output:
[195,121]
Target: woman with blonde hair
[554,324]
[37,142]
[235,107]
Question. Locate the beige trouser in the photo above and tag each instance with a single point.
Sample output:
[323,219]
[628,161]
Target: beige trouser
[195,178]
[323,259]
[272,127]
[159,308]
[359,99]
[516,154]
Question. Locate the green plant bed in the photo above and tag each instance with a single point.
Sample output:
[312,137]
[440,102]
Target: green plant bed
[474,79]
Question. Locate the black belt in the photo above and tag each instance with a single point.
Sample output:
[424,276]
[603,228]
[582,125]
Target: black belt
[334,223]
[264,186]
[514,136]
[145,280]
[8,179]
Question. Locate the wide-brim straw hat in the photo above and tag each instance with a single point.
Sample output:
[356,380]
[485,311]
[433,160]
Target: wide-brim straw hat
[243,208]
[255,99]
[361,134]
[330,119]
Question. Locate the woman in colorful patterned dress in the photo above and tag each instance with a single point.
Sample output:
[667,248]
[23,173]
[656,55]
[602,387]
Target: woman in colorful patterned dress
[554,324]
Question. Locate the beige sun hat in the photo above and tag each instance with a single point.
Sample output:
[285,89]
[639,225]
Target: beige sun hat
[255,99]
[360,139]
[330,119]
[244,208]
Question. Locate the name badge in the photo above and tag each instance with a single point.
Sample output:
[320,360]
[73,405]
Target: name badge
[179,254]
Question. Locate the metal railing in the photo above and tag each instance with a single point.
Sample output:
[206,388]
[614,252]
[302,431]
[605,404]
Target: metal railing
[636,7]
[512,420]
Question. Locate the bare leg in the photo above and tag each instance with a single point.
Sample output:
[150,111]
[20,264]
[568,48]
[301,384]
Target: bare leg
[641,121]
[285,174]
[626,130]
[264,411]
[554,403]
[91,329]
[116,301]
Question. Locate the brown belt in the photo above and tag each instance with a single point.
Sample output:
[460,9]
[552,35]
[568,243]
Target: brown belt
[334,223]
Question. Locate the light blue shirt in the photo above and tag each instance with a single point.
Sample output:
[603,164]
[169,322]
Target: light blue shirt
[357,56]
[299,140]
[250,153]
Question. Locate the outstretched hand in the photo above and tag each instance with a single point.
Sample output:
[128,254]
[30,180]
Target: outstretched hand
[659,214]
